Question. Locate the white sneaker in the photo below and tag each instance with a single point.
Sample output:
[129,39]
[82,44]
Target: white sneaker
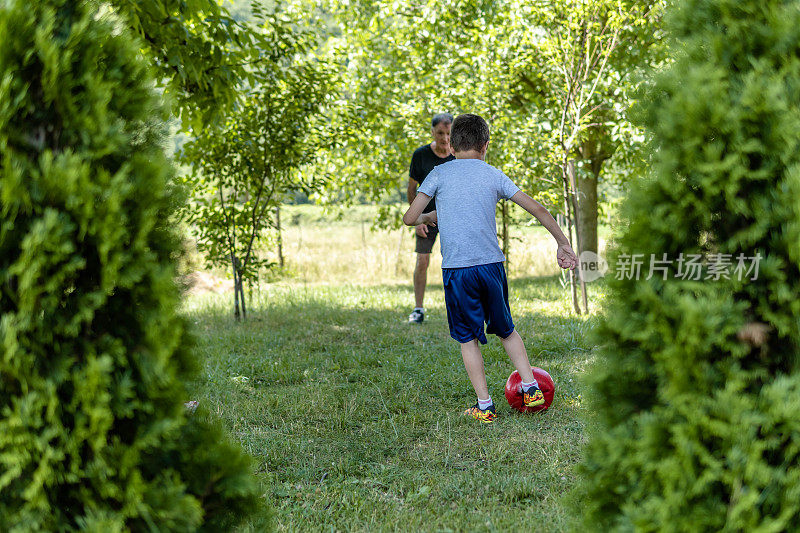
[417,316]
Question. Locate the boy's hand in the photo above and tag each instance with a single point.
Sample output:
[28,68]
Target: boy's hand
[422,231]
[566,257]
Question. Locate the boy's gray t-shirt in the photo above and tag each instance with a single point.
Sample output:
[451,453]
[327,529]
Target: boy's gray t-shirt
[466,192]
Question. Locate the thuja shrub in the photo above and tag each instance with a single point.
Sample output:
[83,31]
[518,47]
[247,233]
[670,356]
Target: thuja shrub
[93,355]
[695,392]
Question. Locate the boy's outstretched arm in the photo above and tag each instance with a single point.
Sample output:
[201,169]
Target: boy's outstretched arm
[566,255]
[414,215]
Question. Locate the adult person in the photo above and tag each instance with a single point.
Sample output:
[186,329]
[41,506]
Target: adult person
[424,159]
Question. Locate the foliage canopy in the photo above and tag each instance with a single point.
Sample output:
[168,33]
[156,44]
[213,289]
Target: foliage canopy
[200,53]
[243,167]
[695,388]
[94,356]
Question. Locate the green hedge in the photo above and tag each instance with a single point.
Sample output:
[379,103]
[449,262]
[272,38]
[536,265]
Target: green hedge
[93,355]
[696,387]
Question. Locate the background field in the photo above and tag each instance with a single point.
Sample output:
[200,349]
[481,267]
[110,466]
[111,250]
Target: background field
[340,247]
[353,415]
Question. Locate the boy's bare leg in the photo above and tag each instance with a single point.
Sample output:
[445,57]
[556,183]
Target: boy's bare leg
[473,362]
[421,278]
[515,349]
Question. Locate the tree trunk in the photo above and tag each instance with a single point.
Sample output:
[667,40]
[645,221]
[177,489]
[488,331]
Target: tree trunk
[587,212]
[578,237]
[280,236]
[236,313]
[568,213]
[595,151]
[240,284]
[250,294]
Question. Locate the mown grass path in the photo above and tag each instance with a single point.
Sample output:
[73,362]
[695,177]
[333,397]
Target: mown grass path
[353,415]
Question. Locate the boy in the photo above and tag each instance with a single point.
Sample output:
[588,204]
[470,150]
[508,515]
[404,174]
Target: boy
[467,190]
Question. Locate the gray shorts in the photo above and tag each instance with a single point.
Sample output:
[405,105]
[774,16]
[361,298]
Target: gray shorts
[425,244]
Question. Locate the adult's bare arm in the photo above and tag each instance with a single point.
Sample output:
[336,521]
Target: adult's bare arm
[411,191]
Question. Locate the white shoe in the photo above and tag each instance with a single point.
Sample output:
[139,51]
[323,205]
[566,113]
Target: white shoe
[417,316]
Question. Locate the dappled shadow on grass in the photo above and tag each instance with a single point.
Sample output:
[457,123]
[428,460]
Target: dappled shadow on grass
[354,415]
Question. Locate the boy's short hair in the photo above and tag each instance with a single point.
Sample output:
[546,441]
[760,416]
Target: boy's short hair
[469,132]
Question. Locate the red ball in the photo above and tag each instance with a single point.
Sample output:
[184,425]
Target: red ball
[514,390]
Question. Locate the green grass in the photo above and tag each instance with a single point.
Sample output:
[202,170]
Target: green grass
[353,415]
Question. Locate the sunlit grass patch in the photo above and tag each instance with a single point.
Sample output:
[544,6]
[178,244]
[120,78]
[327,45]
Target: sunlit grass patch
[319,249]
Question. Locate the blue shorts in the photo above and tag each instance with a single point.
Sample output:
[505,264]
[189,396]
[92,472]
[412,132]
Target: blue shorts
[475,295]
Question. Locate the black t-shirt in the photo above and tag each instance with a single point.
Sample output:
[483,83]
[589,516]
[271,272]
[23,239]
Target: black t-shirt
[422,162]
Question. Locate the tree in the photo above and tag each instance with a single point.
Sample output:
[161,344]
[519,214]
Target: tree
[94,356]
[244,167]
[554,79]
[201,54]
[577,68]
[405,61]
[696,384]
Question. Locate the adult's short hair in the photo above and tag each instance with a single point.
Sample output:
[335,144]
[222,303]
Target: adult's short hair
[438,118]
[469,132]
